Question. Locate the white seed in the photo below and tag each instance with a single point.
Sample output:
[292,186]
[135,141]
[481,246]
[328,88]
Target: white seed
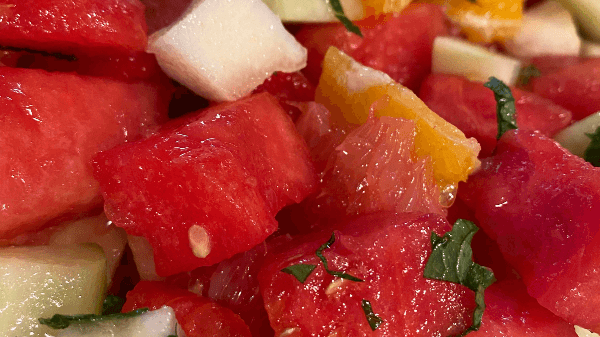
[199,241]
[334,286]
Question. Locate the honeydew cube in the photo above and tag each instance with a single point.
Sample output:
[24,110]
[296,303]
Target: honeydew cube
[458,57]
[590,49]
[581,332]
[314,10]
[574,138]
[587,13]
[156,323]
[222,50]
[40,281]
[547,29]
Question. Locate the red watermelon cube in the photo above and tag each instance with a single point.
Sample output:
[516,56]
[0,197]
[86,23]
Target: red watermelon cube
[52,124]
[73,27]
[541,204]
[208,186]
[388,252]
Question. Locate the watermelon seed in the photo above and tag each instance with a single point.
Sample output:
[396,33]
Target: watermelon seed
[199,241]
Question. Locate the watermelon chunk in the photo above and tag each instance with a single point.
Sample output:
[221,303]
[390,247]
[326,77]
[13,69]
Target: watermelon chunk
[388,252]
[52,124]
[400,45]
[540,204]
[576,88]
[472,108]
[198,316]
[207,186]
[73,27]
[510,311]
[289,88]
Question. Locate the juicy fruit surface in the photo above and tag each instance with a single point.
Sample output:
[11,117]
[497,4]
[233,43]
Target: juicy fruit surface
[218,177]
[366,248]
[352,92]
[538,202]
[472,108]
[197,315]
[510,311]
[82,26]
[52,124]
[485,20]
[398,44]
[576,88]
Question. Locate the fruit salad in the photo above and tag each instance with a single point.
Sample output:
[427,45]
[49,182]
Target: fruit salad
[271,168]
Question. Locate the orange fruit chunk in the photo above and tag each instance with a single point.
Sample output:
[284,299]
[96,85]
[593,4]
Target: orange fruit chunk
[352,91]
[485,20]
[375,7]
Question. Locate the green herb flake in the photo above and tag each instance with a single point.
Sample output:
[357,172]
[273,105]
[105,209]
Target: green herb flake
[319,253]
[527,73]
[592,152]
[112,305]
[505,106]
[300,271]
[451,260]
[374,320]
[339,14]
[63,321]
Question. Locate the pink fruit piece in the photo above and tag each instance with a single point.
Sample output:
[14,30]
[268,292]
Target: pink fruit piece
[52,124]
[73,27]
[209,185]
[510,311]
[472,108]
[388,252]
[540,204]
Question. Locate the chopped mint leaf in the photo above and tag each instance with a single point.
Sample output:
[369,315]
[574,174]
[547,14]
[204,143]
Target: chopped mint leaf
[63,321]
[112,305]
[592,153]
[339,14]
[300,271]
[527,73]
[374,320]
[326,266]
[451,260]
[505,106]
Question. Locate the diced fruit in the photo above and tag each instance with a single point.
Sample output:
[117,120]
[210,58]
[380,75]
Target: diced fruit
[540,204]
[547,29]
[52,124]
[510,311]
[574,88]
[143,255]
[38,282]
[399,45]
[73,27]
[155,323]
[251,161]
[457,57]
[574,138]
[485,20]
[366,248]
[289,88]
[375,7]
[581,332]
[349,90]
[314,10]
[587,14]
[472,108]
[222,50]
[161,13]
[590,49]
[197,315]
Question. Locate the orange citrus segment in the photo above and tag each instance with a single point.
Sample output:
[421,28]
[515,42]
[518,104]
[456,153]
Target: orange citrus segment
[375,7]
[485,20]
[350,91]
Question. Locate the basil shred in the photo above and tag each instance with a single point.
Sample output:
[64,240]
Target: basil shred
[63,321]
[339,14]
[592,153]
[505,106]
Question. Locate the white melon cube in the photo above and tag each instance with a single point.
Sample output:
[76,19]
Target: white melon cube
[590,49]
[223,49]
[458,57]
[587,13]
[314,10]
[38,282]
[547,29]
[574,138]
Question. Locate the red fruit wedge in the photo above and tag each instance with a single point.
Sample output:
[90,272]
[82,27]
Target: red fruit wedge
[207,186]
[73,27]
[52,124]
[540,203]
[397,44]
[197,315]
[388,252]
[472,108]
